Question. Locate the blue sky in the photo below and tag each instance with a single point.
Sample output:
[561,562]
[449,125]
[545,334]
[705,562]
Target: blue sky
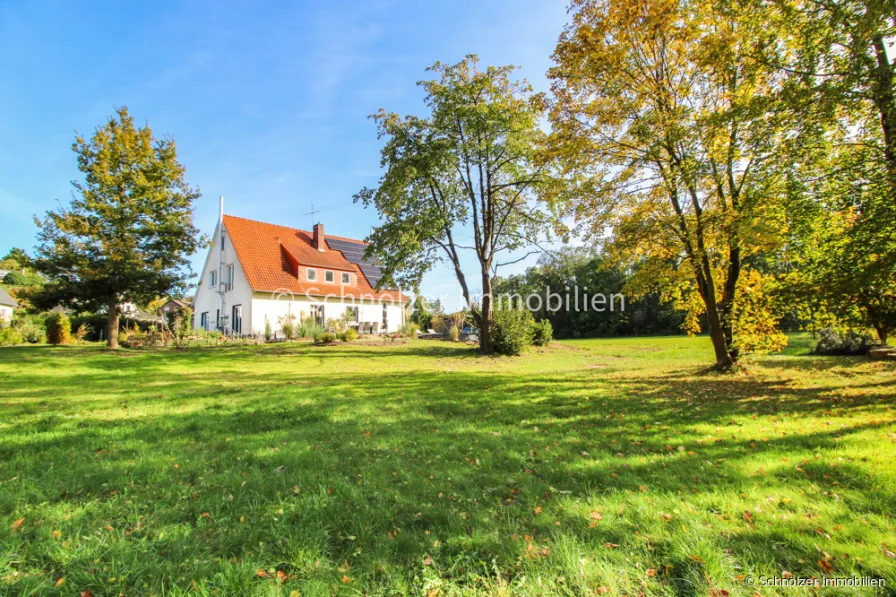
[268,102]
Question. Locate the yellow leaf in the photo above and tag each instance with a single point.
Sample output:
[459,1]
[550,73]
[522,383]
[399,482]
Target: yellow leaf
[60,581]
[16,525]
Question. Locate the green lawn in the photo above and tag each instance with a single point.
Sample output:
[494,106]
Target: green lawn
[594,466]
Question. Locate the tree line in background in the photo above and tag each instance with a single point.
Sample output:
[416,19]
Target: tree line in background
[737,160]
[731,165]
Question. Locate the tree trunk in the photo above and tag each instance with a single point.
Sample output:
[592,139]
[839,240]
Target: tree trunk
[485,323]
[112,325]
[884,100]
[724,358]
[882,334]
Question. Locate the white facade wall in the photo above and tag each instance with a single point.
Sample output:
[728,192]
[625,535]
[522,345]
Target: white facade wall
[207,299]
[6,313]
[274,306]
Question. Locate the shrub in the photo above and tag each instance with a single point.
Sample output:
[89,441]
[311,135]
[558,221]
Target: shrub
[339,324]
[512,331]
[15,279]
[309,329]
[31,330]
[349,335]
[10,336]
[832,342]
[268,332]
[59,329]
[325,338]
[454,333]
[542,333]
[81,333]
[409,329]
[287,325]
[96,325]
[185,325]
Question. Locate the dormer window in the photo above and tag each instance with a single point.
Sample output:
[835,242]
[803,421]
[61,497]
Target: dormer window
[311,274]
[329,277]
[346,278]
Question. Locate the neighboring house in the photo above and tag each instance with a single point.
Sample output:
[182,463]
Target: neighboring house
[255,273]
[174,306]
[7,306]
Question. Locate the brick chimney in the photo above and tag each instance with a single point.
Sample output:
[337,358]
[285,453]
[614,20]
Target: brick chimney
[319,238]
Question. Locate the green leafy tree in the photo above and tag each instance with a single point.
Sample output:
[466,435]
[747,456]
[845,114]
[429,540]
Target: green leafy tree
[842,270]
[128,232]
[666,127]
[468,170]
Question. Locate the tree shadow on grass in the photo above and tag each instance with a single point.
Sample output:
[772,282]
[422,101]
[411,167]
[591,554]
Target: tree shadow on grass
[305,472]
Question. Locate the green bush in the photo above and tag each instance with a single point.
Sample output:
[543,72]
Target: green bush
[309,329]
[288,325]
[349,335]
[325,338]
[512,331]
[96,325]
[15,279]
[832,342]
[10,336]
[542,333]
[33,332]
[268,332]
[59,329]
[409,329]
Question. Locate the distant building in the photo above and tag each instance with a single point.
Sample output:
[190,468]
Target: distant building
[174,306]
[256,273]
[8,306]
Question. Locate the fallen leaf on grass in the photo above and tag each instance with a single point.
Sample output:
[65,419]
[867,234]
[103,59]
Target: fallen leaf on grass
[748,516]
[87,593]
[427,561]
[651,572]
[825,565]
[696,558]
[16,525]
[433,593]
[59,581]
[611,545]
[596,515]
[346,579]
[281,576]
[262,573]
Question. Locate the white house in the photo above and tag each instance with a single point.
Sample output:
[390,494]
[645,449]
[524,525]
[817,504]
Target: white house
[257,272]
[7,306]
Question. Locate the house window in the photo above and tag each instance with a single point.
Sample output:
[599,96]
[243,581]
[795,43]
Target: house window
[317,314]
[228,279]
[352,314]
[218,319]
[203,321]
[213,278]
[346,278]
[385,319]
[236,323]
[329,277]
[311,274]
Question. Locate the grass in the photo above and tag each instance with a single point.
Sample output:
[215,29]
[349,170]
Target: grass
[593,466]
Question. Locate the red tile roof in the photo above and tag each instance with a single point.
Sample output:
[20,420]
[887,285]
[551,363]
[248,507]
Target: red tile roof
[270,256]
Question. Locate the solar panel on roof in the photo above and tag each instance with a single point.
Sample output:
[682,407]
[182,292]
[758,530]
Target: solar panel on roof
[354,253]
